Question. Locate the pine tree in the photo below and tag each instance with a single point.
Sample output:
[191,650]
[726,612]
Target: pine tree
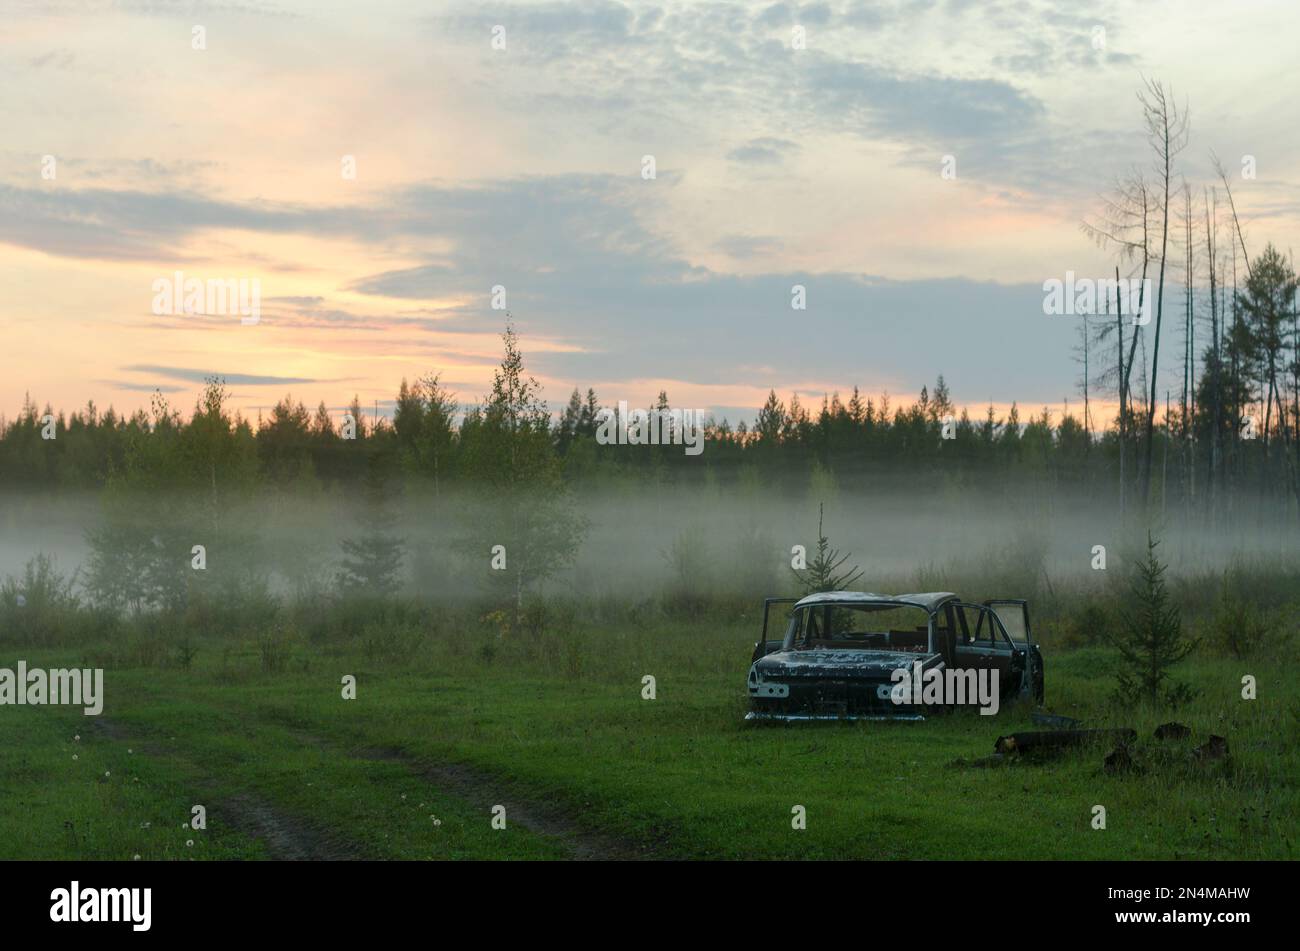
[372,561]
[823,572]
[590,412]
[1151,640]
[941,402]
[437,443]
[358,417]
[322,427]
[772,420]
[570,422]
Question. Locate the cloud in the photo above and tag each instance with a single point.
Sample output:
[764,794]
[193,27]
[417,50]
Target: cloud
[124,225]
[748,245]
[765,150]
[141,387]
[934,108]
[54,59]
[237,379]
[582,270]
[641,311]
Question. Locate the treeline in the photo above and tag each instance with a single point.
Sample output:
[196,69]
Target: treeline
[434,442]
[434,439]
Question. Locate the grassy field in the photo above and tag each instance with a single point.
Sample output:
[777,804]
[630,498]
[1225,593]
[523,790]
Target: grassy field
[557,732]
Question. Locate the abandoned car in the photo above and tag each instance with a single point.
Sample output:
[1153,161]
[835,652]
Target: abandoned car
[857,655]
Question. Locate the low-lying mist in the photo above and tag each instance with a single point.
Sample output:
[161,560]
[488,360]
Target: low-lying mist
[638,543]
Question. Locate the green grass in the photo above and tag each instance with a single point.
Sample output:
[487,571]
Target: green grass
[68,790]
[678,776]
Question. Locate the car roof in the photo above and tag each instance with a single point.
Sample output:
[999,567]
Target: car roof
[929,600]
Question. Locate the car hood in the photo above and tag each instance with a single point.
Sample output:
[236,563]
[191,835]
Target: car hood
[839,664]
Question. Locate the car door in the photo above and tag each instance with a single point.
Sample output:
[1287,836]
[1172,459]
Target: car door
[980,642]
[764,645]
[1014,615]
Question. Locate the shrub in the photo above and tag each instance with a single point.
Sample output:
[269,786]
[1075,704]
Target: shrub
[40,607]
[1238,624]
[274,646]
[1090,624]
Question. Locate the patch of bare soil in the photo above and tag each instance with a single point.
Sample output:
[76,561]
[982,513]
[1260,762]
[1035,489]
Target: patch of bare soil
[285,837]
[290,839]
[543,817]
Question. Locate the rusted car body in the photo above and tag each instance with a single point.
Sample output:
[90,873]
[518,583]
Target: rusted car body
[839,652]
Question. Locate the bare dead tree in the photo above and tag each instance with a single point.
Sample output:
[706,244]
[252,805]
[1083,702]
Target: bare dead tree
[1124,226]
[1295,372]
[1216,450]
[1188,408]
[1235,333]
[1232,205]
[1082,356]
[1167,130]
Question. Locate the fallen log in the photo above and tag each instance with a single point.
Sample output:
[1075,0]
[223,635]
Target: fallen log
[1216,747]
[1052,740]
[981,762]
[1056,721]
[1119,760]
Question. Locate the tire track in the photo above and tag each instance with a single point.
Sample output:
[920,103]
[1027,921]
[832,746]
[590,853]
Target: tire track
[286,837]
[289,838]
[540,816]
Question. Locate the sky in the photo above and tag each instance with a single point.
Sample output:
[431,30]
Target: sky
[505,145]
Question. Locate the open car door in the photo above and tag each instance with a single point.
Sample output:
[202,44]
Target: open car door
[1014,615]
[765,646]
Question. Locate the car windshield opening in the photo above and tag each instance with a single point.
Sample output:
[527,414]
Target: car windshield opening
[859,627]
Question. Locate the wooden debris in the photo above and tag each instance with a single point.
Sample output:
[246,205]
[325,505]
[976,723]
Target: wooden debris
[981,762]
[1056,721]
[1055,740]
[1216,747]
[1119,760]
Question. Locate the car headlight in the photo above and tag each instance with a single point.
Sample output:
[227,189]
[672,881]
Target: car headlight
[758,687]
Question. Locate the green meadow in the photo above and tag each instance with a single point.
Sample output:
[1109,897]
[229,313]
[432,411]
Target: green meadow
[554,728]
